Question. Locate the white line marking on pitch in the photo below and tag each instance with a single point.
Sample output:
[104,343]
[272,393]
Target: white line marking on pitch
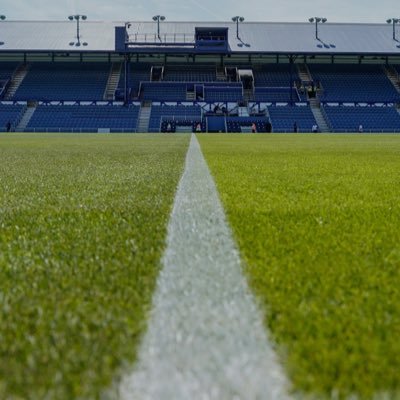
[206,338]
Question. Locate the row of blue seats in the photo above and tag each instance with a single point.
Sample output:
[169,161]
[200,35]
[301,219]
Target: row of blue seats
[93,116]
[7,69]
[64,81]
[374,119]
[283,118]
[10,114]
[240,124]
[180,112]
[87,81]
[291,119]
[354,83]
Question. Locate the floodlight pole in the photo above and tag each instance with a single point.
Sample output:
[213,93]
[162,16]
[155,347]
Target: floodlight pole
[393,21]
[237,19]
[2,18]
[78,18]
[317,20]
[158,18]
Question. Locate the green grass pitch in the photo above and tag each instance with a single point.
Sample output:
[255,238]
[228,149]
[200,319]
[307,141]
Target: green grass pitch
[83,222]
[317,220]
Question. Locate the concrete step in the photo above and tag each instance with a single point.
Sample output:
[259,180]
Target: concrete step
[113,80]
[320,119]
[144,119]
[393,76]
[25,119]
[16,80]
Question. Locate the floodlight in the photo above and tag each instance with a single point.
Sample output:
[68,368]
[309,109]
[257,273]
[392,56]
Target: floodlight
[393,21]
[77,18]
[237,19]
[158,18]
[317,20]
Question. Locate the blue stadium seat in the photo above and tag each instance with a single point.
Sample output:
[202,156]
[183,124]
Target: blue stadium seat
[64,81]
[191,114]
[84,118]
[354,83]
[374,119]
[11,113]
[283,118]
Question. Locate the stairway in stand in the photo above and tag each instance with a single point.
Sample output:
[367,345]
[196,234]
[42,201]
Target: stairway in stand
[319,116]
[248,95]
[393,76]
[305,76]
[23,123]
[16,80]
[144,118]
[304,73]
[113,81]
[220,74]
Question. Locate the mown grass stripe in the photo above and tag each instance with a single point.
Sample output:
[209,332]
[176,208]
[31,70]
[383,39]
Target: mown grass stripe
[206,338]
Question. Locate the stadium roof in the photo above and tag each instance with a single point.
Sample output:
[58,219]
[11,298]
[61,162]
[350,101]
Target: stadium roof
[255,37]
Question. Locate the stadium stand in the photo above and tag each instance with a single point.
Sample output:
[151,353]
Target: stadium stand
[7,68]
[163,91]
[372,119]
[176,115]
[276,95]
[283,118]
[10,113]
[64,81]
[190,73]
[6,71]
[353,83]
[223,93]
[85,118]
[243,124]
[138,72]
[274,75]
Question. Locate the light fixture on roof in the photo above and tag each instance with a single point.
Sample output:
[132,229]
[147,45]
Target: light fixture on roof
[2,18]
[78,18]
[316,21]
[393,21]
[238,20]
[158,18]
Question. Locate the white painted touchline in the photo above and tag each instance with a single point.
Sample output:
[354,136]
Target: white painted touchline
[206,338]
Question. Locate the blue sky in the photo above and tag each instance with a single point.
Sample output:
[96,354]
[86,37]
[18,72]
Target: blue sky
[203,10]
